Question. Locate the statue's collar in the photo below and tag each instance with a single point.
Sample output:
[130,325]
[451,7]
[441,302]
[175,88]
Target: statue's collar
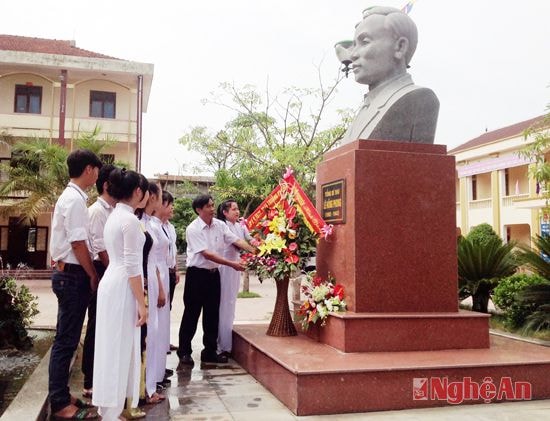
[382,93]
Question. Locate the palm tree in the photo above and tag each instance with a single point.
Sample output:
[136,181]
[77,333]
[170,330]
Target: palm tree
[537,260]
[37,174]
[481,266]
[539,296]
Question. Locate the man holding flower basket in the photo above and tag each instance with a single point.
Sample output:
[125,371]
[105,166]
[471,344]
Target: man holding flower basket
[206,238]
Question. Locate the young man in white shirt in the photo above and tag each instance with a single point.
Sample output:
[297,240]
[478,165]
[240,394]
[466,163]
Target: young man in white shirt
[98,213]
[206,238]
[73,280]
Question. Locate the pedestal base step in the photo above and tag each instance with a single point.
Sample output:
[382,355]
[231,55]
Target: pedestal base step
[382,332]
[312,378]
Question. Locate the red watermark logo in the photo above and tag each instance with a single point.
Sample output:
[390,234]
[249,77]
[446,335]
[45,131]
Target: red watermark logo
[440,388]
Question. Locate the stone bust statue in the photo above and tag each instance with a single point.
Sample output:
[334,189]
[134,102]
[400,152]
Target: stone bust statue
[394,107]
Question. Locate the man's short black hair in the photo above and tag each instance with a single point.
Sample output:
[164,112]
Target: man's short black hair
[79,159]
[167,198]
[201,201]
[103,176]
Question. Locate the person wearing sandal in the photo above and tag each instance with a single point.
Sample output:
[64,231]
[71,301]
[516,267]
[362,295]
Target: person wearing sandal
[121,309]
[98,212]
[73,280]
[155,359]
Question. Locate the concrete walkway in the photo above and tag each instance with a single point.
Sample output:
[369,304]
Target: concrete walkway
[227,392]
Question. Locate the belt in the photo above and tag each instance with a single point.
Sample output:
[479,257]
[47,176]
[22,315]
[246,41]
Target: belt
[69,267]
[214,270]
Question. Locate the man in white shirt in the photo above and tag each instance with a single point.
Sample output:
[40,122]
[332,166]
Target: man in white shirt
[73,280]
[206,239]
[98,213]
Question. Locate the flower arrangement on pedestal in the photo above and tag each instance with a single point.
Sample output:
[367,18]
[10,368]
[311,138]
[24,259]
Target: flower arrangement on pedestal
[322,297]
[286,228]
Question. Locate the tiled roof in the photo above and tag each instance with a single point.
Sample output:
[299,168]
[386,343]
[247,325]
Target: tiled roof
[503,133]
[47,46]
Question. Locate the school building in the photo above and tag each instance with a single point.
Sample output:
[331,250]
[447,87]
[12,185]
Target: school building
[494,185]
[52,89]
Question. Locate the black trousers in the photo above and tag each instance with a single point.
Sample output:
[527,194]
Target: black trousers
[73,296]
[172,278]
[201,293]
[89,339]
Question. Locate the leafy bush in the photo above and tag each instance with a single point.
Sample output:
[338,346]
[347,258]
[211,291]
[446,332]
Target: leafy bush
[17,306]
[506,297]
[483,234]
[539,297]
[481,266]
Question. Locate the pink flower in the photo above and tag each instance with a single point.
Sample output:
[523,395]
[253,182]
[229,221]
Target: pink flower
[288,172]
[292,246]
[327,230]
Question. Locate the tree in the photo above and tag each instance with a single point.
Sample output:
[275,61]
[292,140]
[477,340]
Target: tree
[535,151]
[266,135]
[37,174]
[481,266]
[537,260]
[483,233]
[183,216]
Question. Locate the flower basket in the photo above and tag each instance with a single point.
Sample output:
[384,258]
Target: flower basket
[281,321]
[286,228]
[323,296]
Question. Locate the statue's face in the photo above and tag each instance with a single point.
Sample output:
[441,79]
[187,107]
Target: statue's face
[373,52]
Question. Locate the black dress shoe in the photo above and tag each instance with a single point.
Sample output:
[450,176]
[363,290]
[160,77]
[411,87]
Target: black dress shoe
[187,360]
[216,358]
[173,347]
[164,384]
[168,372]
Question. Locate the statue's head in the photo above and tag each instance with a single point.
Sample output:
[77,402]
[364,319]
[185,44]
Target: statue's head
[383,45]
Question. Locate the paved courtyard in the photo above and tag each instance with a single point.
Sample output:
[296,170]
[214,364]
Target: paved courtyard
[227,392]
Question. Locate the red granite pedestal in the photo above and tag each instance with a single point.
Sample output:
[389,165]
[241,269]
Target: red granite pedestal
[312,378]
[395,254]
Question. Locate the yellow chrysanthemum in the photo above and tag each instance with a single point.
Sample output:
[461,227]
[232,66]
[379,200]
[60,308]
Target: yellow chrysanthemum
[272,242]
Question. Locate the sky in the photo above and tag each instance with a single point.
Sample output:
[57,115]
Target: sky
[487,61]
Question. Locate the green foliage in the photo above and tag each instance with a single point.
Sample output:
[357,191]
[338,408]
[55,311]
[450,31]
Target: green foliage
[248,294]
[537,296]
[536,259]
[483,233]
[539,137]
[18,306]
[506,297]
[249,155]
[38,174]
[183,216]
[481,266]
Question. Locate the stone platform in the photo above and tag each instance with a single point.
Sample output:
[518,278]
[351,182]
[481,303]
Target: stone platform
[313,378]
[368,332]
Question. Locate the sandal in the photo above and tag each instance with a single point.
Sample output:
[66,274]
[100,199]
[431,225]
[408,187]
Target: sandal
[155,398]
[80,414]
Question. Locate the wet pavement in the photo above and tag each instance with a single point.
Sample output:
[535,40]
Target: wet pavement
[226,392]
